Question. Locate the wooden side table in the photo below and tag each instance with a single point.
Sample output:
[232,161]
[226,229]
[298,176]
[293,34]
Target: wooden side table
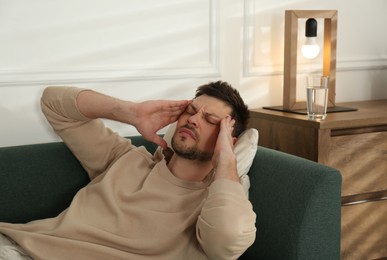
[356,144]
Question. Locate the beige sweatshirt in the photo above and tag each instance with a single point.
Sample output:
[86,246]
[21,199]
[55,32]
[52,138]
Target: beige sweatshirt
[134,207]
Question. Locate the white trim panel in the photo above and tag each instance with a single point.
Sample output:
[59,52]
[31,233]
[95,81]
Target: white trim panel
[192,63]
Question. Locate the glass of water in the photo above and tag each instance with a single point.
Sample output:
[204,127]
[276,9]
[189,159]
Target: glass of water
[317,96]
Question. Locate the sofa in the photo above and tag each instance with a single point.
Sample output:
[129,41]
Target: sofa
[297,202]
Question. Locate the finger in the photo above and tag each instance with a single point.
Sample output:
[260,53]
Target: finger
[159,141]
[163,143]
[232,123]
[225,128]
[229,122]
[175,108]
[178,105]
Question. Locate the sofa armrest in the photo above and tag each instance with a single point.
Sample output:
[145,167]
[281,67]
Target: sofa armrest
[298,207]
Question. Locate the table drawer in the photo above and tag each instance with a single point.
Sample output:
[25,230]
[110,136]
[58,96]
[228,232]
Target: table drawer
[364,231]
[362,161]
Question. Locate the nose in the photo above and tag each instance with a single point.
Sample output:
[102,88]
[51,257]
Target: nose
[194,119]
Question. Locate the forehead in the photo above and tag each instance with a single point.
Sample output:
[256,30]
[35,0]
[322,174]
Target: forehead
[212,105]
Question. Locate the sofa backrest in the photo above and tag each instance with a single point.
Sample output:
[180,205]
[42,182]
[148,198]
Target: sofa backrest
[297,201]
[40,180]
[37,181]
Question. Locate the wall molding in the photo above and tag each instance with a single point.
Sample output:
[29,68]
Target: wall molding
[85,74]
[353,64]
[345,65]
[46,76]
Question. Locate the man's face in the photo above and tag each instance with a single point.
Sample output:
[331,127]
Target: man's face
[198,128]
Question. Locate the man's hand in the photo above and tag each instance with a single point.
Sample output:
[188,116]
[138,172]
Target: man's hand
[148,117]
[224,160]
[151,116]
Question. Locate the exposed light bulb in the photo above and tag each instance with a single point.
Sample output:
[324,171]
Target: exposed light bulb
[310,49]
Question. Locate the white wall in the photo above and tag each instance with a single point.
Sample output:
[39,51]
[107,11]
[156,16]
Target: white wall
[152,49]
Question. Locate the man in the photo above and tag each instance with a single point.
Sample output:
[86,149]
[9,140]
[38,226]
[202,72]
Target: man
[187,205]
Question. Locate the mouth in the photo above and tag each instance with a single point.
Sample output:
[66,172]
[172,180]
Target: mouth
[185,131]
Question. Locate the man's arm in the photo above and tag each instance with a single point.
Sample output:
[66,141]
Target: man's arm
[72,112]
[226,225]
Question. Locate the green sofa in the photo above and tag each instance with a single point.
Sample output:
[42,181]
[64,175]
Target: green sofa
[297,201]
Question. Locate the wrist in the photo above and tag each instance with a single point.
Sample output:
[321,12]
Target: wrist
[124,111]
[227,169]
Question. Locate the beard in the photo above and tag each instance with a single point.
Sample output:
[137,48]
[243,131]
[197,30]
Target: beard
[189,152]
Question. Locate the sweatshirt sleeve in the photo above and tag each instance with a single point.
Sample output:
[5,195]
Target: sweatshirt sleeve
[226,225]
[95,146]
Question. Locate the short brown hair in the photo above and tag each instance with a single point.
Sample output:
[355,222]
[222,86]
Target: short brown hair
[226,93]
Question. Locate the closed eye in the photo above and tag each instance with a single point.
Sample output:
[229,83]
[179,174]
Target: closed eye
[211,119]
[190,110]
